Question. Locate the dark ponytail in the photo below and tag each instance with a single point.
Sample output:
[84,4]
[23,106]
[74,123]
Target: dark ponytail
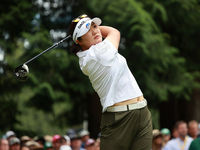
[75,47]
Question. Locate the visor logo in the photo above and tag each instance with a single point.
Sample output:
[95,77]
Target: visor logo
[81,24]
[88,25]
[84,21]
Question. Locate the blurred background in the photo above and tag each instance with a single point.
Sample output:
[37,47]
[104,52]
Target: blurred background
[160,40]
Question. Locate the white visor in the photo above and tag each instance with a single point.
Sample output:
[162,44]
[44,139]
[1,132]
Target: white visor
[83,26]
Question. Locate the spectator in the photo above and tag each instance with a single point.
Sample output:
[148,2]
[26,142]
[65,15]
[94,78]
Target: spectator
[193,128]
[4,145]
[157,141]
[65,147]
[66,140]
[89,144]
[66,143]
[57,141]
[183,141]
[24,139]
[40,140]
[84,135]
[24,147]
[48,146]
[195,145]
[174,132]
[48,138]
[166,135]
[76,143]
[75,140]
[33,145]
[10,134]
[14,143]
[97,144]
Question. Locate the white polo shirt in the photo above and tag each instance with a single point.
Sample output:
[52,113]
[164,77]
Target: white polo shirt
[178,144]
[109,74]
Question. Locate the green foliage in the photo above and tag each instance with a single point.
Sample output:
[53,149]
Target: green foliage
[183,27]
[157,65]
[36,122]
[55,84]
[15,18]
[12,23]
[158,38]
[55,80]
[9,110]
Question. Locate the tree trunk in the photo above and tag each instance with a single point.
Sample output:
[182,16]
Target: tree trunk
[172,111]
[94,115]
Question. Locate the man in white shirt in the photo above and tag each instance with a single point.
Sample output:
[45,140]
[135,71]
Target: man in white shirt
[183,141]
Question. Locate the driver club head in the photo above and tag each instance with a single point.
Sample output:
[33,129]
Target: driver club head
[21,72]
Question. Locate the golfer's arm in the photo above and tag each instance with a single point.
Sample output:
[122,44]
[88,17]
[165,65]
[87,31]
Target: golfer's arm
[112,34]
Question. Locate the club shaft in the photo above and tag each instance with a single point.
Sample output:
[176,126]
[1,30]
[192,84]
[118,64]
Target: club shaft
[53,46]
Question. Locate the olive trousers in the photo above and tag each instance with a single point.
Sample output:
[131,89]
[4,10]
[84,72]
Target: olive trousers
[127,130]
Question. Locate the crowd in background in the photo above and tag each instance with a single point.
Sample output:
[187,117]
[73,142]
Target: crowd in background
[73,140]
[184,136]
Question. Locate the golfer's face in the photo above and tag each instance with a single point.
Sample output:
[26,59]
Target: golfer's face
[92,37]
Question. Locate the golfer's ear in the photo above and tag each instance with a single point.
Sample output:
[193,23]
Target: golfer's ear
[79,42]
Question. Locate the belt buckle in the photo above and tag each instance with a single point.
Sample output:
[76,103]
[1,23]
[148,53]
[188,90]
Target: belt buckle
[132,106]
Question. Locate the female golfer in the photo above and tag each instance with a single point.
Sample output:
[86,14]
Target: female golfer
[126,121]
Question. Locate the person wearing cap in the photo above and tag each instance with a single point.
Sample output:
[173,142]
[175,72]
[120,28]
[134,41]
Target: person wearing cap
[157,141]
[123,104]
[4,145]
[14,143]
[84,135]
[75,140]
[24,139]
[57,141]
[10,134]
[48,146]
[66,143]
[39,140]
[66,140]
[89,145]
[48,138]
[33,145]
[183,141]
[97,144]
[166,135]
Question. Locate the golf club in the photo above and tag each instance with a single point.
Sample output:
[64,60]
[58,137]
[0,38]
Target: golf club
[22,71]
